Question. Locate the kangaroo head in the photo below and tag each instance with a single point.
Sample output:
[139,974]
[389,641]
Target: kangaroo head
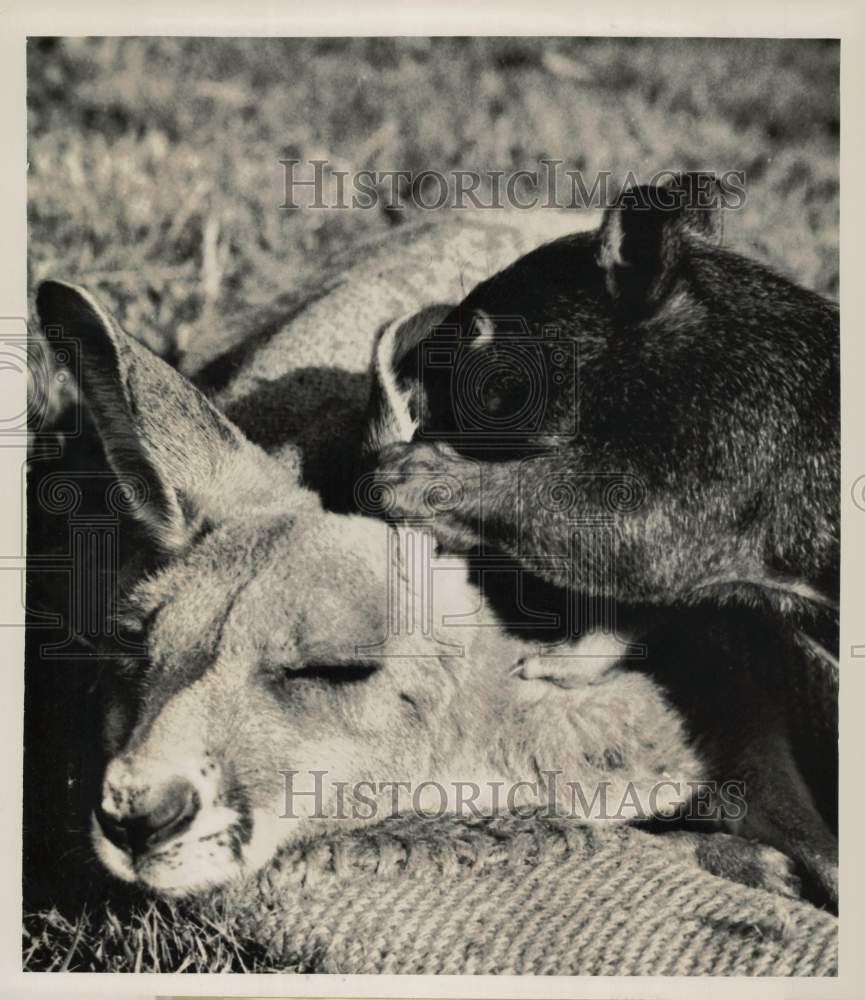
[284,648]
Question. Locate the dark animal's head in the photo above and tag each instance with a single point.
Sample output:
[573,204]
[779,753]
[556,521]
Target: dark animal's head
[645,329]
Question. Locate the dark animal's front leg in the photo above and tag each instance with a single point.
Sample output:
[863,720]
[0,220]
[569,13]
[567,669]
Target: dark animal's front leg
[781,809]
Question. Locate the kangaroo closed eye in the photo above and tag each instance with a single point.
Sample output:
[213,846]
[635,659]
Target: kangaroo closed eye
[332,673]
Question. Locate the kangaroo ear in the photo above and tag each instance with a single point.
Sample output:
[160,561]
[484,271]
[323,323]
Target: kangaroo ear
[392,413]
[161,436]
[643,235]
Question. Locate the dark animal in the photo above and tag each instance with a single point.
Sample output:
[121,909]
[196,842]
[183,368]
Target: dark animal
[650,421]
[643,374]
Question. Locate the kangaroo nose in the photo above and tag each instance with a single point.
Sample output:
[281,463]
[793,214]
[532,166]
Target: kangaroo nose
[161,816]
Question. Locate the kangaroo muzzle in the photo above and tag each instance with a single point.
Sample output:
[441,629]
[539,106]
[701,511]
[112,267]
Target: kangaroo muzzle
[142,823]
[177,826]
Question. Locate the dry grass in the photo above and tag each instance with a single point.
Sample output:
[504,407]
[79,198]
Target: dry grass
[155,179]
[149,936]
[154,164]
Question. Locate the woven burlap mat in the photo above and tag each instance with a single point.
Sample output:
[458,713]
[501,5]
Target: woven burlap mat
[532,896]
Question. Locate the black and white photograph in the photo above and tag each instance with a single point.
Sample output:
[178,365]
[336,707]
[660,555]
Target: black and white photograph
[433,506]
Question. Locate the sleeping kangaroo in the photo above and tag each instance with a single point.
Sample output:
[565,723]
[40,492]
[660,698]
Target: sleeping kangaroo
[279,638]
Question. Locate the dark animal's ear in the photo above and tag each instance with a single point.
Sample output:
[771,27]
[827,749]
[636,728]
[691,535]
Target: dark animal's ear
[163,439]
[642,237]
